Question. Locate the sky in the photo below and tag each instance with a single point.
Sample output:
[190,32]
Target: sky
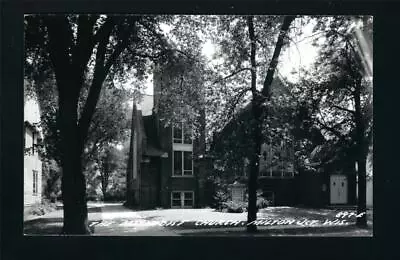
[301,53]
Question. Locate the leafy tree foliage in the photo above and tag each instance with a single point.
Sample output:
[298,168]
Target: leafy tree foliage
[106,173]
[248,60]
[181,79]
[80,52]
[181,93]
[341,87]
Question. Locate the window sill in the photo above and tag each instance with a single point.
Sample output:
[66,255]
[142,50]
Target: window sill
[276,177]
[182,176]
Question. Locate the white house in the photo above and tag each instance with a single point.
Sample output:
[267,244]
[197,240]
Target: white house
[32,162]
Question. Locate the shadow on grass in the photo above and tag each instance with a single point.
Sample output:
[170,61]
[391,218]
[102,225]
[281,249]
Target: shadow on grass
[48,228]
[303,212]
[315,231]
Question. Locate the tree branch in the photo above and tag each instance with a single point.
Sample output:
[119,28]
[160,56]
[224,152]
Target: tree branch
[331,129]
[235,102]
[101,70]
[252,37]
[232,74]
[98,78]
[186,54]
[85,43]
[309,36]
[123,44]
[60,41]
[344,109]
[274,61]
[163,42]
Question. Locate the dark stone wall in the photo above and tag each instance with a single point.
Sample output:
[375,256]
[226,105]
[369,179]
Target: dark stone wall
[150,183]
[284,190]
[309,189]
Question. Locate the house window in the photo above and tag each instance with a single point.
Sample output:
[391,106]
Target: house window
[182,134]
[28,141]
[183,163]
[176,199]
[182,199]
[33,142]
[277,161]
[35,182]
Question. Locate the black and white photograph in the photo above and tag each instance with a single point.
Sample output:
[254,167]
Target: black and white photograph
[198,125]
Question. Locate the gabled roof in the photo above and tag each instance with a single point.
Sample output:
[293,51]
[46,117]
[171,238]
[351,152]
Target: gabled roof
[146,126]
[152,145]
[277,87]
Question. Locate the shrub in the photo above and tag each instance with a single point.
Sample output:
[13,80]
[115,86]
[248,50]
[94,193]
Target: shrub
[235,207]
[116,193]
[39,209]
[262,202]
[220,197]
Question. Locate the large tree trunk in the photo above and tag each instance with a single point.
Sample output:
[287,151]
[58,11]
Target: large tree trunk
[257,111]
[69,58]
[254,168]
[256,134]
[362,194]
[73,181]
[362,152]
[104,185]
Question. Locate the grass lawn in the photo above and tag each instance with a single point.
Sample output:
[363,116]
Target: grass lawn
[114,219]
[209,214]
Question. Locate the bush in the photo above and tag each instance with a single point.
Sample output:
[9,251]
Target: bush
[235,207]
[115,197]
[262,202]
[116,193]
[40,209]
[220,198]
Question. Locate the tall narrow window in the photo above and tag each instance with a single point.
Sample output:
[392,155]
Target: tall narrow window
[182,134]
[177,163]
[176,199]
[183,163]
[35,182]
[188,199]
[187,163]
[177,129]
[187,139]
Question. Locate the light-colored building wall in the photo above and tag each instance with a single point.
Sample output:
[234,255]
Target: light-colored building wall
[31,111]
[32,160]
[32,163]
